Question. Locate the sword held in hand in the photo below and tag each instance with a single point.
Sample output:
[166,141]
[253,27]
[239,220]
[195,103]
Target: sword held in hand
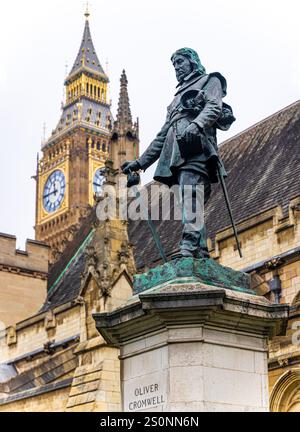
[193,101]
[133,179]
[223,184]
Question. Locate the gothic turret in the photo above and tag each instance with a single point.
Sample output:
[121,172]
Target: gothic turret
[124,118]
[125,135]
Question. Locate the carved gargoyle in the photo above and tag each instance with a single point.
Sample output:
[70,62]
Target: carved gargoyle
[49,348]
[123,254]
[105,267]
[274,263]
[91,265]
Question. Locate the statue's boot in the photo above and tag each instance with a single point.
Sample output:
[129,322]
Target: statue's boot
[193,243]
[202,252]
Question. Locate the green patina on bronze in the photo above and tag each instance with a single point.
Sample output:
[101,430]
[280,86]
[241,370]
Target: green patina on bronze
[186,147]
[198,270]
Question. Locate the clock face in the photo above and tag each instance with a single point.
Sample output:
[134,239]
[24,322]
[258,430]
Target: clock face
[98,181]
[54,191]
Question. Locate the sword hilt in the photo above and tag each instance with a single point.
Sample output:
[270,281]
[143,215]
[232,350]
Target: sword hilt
[133,179]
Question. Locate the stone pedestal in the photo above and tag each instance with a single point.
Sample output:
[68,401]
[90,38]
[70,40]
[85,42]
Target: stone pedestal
[189,346]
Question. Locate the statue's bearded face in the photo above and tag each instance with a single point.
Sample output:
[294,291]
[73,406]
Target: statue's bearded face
[182,66]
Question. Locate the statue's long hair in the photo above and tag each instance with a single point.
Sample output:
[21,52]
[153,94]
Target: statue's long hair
[193,58]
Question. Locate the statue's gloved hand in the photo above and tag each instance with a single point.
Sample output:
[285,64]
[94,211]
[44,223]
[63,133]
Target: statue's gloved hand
[191,133]
[130,166]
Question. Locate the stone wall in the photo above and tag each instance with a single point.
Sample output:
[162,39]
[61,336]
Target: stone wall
[52,401]
[269,246]
[23,279]
[31,335]
[95,383]
[262,237]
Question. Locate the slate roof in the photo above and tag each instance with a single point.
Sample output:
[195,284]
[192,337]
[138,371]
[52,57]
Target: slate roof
[64,276]
[87,56]
[263,165]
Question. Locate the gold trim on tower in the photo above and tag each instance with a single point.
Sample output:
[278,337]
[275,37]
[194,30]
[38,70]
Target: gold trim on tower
[43,215]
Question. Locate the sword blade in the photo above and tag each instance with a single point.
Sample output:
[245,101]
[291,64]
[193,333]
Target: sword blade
[229,210]
[151,225]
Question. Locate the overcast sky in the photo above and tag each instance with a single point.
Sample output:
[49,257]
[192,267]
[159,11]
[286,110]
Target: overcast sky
[254,44]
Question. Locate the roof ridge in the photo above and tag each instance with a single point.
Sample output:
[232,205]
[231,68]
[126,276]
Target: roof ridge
[259,123]
[74,256]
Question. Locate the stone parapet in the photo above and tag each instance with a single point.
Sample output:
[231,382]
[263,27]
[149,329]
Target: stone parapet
[33,259]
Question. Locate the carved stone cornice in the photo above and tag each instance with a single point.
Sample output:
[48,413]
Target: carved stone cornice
[274,263]
[23,272]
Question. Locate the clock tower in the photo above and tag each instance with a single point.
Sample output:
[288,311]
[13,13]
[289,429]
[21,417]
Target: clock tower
[69,172]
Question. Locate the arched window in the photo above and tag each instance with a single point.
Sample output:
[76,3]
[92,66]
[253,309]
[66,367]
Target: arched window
[104,147]
[98,145]
[285,396]
[87,87]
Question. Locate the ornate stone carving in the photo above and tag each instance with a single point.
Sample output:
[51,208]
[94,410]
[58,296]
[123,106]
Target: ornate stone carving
[79,300]
[283,362]
[49,348]
[274,263]
[91,265]
[123,254]
[11,336]
[125,258]
[50,320]
[106,280]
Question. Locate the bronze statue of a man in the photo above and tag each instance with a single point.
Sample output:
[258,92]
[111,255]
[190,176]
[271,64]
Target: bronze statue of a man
[186,146]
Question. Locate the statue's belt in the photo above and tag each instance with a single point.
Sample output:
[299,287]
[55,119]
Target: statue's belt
[179,116]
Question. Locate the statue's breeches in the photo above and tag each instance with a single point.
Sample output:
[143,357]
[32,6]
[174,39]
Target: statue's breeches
[195,191]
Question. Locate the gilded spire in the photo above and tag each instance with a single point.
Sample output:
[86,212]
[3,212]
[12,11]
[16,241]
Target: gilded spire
[124,113]
[87,11]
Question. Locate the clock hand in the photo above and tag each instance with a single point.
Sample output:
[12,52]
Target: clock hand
[51,193]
